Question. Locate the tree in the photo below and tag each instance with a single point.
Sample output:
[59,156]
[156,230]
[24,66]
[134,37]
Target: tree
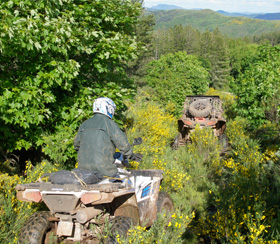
[214,51]
[161,42]
[144,29]
[257,90]
[178,38]
[242,55]
[175,39]
[271,37]
[176,75]
[56,57]
[192,37]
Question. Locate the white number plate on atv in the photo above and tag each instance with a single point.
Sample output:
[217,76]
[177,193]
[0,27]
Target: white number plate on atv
[65,228]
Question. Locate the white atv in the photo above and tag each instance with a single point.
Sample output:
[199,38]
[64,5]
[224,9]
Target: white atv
[78,212]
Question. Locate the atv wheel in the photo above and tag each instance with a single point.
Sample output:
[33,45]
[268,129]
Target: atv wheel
[175,143]
[224,143]
[200,108]
[120,226]
[164,203]
[38,230]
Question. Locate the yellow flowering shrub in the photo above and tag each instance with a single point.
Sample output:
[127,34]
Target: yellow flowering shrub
[228,100]
[157,129]
[168,229]
[151,122]
[205,146]
[240,214]
[13,212]
[231,198]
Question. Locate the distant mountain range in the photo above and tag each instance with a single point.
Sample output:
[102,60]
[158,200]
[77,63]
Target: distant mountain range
[163,7]
[248,15]
[271,16]
[207,19]
[264,16]
[268,16]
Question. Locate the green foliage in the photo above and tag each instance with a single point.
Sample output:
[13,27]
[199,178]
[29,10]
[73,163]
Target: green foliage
[167,229]
[234,198]
[267,134]
[144,30]
[174,39]
[13,212]
[201,159]
[241,196]
[221,56]
[56,57]
[174,76]
[227,199]
[228,101]
[150,121]
[257,90]
[214,50]
[272,38]
[59,147]
[242,54]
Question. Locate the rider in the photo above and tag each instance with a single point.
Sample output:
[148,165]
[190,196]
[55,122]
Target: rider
[97,140]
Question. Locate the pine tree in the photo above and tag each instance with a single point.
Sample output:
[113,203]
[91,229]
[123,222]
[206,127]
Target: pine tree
[137,68]
[215,51]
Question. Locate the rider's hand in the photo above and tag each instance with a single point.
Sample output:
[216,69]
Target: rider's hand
[136,157]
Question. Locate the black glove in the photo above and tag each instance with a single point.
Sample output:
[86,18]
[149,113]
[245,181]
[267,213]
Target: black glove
[136,157]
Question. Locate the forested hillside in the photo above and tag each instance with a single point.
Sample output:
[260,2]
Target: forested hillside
[209,20]
[57,57]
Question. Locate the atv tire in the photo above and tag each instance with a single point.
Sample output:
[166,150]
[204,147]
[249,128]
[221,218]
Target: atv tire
[120,226]
[175,144]
[224,143]
[164,203]
[37,229]
[200,108]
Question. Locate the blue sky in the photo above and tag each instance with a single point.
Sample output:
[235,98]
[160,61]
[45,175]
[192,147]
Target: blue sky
[253,6]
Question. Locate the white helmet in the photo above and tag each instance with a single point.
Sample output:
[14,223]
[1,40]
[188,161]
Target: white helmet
[104,105]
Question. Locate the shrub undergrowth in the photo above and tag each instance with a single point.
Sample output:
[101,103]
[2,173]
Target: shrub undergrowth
[232,198]
[13,212]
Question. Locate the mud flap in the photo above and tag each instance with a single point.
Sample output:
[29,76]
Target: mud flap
[65,228]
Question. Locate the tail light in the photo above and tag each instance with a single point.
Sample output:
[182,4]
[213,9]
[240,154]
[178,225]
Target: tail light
[90,197]
[29,196]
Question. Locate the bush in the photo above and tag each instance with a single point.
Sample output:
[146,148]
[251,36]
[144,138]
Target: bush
[186,171]
[174,76]
[229,199]
[241,207]
[13,213]
[228,100]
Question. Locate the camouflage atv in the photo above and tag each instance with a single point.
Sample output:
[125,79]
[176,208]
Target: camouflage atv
[205,111]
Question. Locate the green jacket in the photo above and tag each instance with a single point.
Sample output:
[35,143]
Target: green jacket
[96,142]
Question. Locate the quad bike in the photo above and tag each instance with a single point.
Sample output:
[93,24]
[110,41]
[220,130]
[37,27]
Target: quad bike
[205,111]
[79,212]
